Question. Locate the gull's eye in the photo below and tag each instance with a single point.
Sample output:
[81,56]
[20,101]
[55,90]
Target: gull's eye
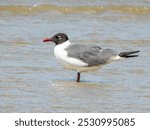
[59,37]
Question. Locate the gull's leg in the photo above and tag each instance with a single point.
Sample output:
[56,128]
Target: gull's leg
[78,77]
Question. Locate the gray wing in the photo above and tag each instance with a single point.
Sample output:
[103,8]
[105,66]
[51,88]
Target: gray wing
[92,55]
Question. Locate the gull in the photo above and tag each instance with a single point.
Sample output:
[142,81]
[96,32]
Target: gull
[83,58]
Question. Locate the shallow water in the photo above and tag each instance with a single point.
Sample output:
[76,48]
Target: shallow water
[31,79]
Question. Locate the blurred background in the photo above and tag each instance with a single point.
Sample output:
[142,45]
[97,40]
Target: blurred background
[31,79]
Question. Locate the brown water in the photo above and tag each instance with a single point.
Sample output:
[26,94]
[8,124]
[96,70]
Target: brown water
[31,79]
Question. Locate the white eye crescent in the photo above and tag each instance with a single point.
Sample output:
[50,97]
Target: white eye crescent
[59,37]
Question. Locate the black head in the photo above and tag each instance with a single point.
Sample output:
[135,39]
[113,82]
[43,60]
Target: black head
[58,38]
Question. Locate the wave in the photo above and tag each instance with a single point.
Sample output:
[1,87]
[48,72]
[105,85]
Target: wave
[20,9]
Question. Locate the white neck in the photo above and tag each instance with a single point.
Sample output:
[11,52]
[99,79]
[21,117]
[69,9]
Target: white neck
[64,45]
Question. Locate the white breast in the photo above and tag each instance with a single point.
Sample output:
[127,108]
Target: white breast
[61,55]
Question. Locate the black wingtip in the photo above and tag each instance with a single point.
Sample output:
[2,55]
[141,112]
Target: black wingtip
[128,54]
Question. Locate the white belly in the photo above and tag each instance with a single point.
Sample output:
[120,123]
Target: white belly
[78,68]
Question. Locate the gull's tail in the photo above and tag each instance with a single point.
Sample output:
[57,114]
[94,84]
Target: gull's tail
[128,54]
